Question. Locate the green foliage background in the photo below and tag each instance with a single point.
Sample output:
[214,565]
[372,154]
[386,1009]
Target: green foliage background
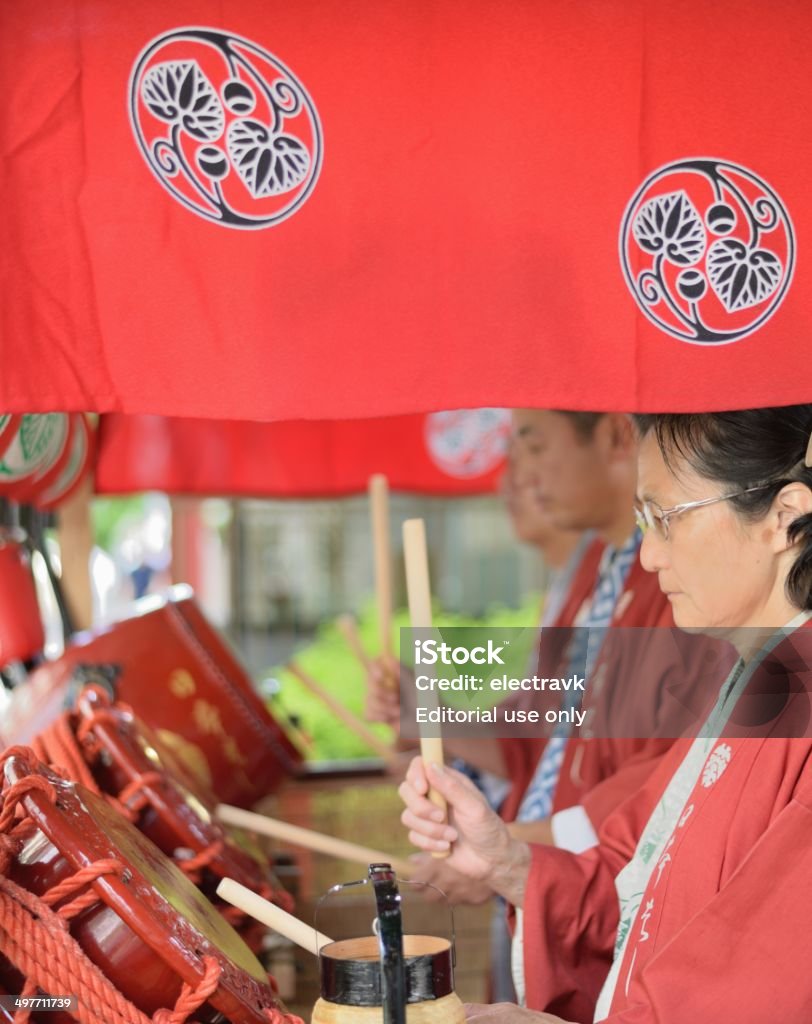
[111,514]
[329,660]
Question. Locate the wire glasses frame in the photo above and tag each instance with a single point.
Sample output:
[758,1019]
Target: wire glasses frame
[650,515]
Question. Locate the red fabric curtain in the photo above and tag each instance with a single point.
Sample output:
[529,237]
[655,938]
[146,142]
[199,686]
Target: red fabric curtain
[356,208]
[448,453]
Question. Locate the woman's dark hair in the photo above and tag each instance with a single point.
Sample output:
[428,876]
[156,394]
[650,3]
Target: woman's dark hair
[745,449]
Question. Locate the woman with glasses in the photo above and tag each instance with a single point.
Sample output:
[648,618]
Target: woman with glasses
[695,904]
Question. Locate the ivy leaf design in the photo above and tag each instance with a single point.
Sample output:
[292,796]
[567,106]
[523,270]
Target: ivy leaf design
[742,277]
[716,765]
[178,92]
[670,224]
[269,163]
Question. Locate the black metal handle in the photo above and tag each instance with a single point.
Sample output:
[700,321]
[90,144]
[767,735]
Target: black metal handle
[390,943]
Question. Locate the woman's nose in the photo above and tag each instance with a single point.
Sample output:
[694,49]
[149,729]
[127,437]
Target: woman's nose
[653,551]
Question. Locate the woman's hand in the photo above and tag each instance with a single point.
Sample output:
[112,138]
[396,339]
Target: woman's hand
[456,888]
[482,848]
[507,1013]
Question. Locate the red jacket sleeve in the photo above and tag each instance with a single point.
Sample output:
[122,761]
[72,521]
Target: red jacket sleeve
[570,921]
[570,908]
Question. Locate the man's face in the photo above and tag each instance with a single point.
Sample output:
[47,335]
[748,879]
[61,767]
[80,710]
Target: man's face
[572,472]
[531,523]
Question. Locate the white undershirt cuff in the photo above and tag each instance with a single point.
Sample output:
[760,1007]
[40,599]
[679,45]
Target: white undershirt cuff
[572,830]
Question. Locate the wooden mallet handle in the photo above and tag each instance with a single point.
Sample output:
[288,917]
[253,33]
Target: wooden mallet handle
[419,592]
[310,840]
[274,917]
[348,628]
[347,717]
[379,508]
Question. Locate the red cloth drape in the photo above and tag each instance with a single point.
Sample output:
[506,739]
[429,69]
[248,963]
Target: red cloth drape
[439,206]
[447,453]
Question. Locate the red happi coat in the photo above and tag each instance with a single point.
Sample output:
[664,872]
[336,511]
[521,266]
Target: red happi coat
[722,934]
[598,772]
[521,755]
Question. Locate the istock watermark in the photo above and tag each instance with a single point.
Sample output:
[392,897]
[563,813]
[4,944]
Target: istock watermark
[620,683]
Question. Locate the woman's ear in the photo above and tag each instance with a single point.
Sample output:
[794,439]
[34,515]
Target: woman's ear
[792,501]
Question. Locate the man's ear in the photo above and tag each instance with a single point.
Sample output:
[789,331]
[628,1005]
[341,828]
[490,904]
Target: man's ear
[620,435]
[792,501]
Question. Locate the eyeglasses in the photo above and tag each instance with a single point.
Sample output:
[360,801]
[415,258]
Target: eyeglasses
[650,515]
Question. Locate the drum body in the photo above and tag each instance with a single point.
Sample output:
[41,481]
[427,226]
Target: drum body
[135,916]
[179,676]
[131,766]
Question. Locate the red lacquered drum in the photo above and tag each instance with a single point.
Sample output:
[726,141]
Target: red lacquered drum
[21,632]
[133,913]
[177,674]
[130,766]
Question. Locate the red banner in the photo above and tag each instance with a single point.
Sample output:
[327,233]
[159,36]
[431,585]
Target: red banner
[305,210]
[446,453]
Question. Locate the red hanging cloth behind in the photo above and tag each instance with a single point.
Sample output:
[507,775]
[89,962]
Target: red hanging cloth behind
[345,209]
[454,453]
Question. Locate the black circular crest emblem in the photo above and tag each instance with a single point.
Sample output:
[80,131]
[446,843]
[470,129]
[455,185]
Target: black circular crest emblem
[225,127]
[708,250]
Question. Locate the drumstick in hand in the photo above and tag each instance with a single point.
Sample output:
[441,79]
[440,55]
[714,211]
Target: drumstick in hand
[347,717]
[419,591]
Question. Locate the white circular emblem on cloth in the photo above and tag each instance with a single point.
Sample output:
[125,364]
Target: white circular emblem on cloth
[707,249]
[716,764]
[467,442]
[225,127]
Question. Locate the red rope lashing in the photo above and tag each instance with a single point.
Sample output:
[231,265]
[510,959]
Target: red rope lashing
[56,745]
[15,751]
[190,999]
[193,867]
[36,941]
[133,797]
[80,880]
[13,794]
[103,716]
[15,827]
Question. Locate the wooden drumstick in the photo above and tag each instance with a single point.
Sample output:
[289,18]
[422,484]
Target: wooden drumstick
[419,592]
[310,840]
[349,630]
[274,917]
[379,509]
[353,723]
